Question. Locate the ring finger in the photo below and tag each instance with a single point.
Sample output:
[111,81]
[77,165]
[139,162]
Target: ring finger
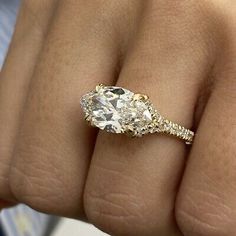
[132,183]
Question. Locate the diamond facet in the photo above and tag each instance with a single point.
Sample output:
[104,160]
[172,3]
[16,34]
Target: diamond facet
[113,109]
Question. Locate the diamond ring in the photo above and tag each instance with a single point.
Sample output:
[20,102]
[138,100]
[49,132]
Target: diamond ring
[118,110]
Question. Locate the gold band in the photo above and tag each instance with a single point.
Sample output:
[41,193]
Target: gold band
[118,110]
[168,127]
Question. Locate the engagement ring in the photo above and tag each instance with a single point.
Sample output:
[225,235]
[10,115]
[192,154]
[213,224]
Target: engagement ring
[118,110]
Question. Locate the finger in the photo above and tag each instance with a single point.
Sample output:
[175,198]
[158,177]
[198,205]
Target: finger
[15,77]
[132,183]
[206,201]
[54,144]
[5,204]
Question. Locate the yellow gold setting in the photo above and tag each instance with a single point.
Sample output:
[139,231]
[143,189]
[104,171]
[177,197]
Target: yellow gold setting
[118,110]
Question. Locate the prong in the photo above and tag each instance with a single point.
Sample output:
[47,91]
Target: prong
[142,97]
[129,131]
[87,118]
[98,87]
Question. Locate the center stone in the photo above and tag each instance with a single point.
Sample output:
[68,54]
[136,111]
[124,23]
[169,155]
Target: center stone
[113,108]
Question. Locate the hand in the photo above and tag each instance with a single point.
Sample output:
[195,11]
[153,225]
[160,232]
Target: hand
[182,54]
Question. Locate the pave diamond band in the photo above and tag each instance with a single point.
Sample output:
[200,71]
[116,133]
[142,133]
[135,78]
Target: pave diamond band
[118,110]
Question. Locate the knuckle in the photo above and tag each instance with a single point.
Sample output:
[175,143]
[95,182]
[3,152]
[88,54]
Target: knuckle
[125,208]
[26,178]
[204,214]
[113,213]
[39,183]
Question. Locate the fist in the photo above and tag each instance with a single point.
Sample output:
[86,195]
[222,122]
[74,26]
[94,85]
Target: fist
[182,54]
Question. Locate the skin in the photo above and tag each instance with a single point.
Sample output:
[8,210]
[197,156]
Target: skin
[182,54]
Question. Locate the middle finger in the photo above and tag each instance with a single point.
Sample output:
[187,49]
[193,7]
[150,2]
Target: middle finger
[54,145]
[31,28]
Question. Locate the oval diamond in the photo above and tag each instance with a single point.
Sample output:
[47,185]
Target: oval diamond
[113,109]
